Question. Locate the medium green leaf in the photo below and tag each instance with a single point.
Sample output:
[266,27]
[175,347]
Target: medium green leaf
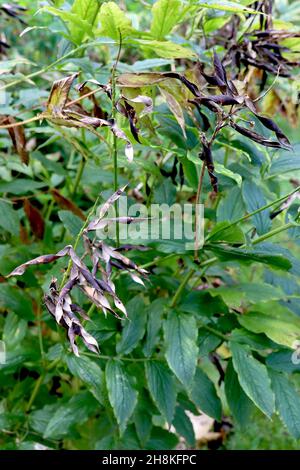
[165,16]
[239,403]
[114,22]
[162,388]
[17,301]
[154,322]
[69,415]
[71,222]
[287,400]
[89,372]
[253,378]
[161,439]
[280,327]
[254,199]
[181,348]
[122,395]
[248,255]
[222,170]
[183,426]
[9,219]
[204,395]
[134,326]
[231,207]
[224,231]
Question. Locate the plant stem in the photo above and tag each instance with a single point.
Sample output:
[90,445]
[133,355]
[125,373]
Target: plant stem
[257,211]
[115,144]
[78,175]
[213,331]
[184,282]
[121,358]
[270,234]
[199,189]
[38,384]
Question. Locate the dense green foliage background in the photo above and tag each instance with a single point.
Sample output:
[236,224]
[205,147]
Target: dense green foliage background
[214,335]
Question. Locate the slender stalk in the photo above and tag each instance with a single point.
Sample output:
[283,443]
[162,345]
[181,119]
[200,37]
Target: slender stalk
[115,144]
[199,190]
[257,211]
[277,230]
[213,331]
[78,175]
[184,282]
[38,384]
[122,358]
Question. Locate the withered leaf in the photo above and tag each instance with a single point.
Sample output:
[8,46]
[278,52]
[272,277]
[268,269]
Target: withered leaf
[59,94]
[35,218]
[18,139]
[67,204]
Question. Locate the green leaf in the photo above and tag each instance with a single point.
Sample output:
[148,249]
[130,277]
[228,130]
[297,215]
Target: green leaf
[143,420]
[161,439]
[231,207]
[71,222]
[183,426]
[181,348]
[166,49]
[222,170]
[254,199]
[9,219]
[287,400]
[239,404]
[134,326]
[78,27]
[286,162]
[282,361]
[154,312]
[17,301]
[21,186]
[224,231]
[165,193]
[122,395]
[247,255]
[165,16]
[204,395]
[114,22]
[278,326]
[253,378]
[14,330]
[39,419]
[70,414]
[89,372]
[162,388]
[248,292]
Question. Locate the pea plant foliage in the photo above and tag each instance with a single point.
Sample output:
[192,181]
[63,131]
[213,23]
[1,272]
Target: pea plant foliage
[113,338]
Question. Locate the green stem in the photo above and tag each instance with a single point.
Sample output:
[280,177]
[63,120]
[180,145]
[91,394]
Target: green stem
[184,282]
[115,144]
[38,384]
[78,175]
[257,211]
[122,358]
[214,332]
[270,234]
